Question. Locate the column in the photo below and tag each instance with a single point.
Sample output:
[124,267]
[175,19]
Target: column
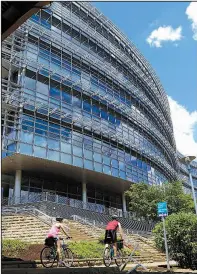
[84,191]
[124,207]
[17,186]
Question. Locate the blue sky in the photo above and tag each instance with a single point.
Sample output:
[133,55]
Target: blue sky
[175,62]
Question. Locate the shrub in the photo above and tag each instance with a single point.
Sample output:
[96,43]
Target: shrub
[181,231]
[92,249]
[87,249]
[13,247]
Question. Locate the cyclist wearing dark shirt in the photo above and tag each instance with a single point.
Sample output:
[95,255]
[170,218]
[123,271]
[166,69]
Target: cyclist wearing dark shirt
[111,233]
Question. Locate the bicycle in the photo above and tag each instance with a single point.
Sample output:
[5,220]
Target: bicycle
[108,254]
[48,254]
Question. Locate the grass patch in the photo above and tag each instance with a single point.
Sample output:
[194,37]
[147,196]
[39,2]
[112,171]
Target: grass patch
[12,248]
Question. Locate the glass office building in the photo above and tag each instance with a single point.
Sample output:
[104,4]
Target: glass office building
[83,113]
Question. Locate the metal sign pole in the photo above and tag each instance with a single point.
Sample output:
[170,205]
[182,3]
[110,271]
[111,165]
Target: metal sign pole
[166,244]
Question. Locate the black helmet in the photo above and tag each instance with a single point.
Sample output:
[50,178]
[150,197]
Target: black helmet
[59,219]
[114,217]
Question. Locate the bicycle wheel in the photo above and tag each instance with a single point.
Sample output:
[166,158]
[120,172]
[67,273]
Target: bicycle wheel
[67,257]
[47,256]
[107,256]
[119,258]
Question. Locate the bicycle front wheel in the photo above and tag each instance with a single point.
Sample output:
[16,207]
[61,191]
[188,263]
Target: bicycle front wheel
[107,257]
[47,256]
[119,258]
[67,257]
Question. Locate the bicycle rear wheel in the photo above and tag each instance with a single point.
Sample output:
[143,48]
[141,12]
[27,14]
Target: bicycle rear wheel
[67,257]
[47,256]
[107,257]
[119,258]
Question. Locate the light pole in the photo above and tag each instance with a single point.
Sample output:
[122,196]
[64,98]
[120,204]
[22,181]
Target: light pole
[187,160]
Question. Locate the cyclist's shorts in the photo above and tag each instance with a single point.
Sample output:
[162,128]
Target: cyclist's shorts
[110,236]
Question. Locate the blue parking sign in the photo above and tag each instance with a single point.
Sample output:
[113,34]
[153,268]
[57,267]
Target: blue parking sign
[162,209]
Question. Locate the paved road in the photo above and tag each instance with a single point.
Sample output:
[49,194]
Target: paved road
[84,270]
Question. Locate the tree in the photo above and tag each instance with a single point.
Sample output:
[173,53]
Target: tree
[181,231]
[143,199]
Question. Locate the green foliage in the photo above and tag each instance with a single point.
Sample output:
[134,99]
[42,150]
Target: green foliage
[87,249]
[182,237]
[143,199]
[13,247]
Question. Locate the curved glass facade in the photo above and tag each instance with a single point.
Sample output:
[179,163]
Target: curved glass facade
[184,175]
[77,92]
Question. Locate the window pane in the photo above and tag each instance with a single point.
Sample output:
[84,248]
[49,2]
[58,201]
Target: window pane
[77,161]
[66,158]
[54,144]
[77,151]
[40,140]
[53,155]
[39,152]
[98,167]
[26,137]
[88,154]
[26,149]
[106,169]
[42,88]
[88,164]
[97,157]
[115,172]
[66,147]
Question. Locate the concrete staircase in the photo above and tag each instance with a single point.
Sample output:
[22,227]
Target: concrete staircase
[30,229]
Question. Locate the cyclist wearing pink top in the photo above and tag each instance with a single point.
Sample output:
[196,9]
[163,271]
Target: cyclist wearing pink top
[54,233]
[110,233]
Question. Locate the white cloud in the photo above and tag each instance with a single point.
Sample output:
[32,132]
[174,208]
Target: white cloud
[164,34]
[184,124]
[191,13]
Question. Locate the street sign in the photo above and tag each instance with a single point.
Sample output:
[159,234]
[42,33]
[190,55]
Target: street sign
[162,209]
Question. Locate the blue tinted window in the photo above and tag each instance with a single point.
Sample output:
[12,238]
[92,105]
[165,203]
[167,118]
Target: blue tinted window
[114,163]
[66,147]
[121,165]
[54,92]
[54,144]
[39,152]
[106,160]
[96,110]
[122,174]
[42,88]
[41,127]
[88,164]
[112,119]
[87,106]
[106,169]
[115,172]
[66,97]
[26,137]
[35,18]
[77,161]
[66,158]
[53,155]
[139,163]
[65,132]
[30,83]
[40,140]
[104,114]
[12,147]
[43,61]
[77,151]
[98,167]
[97,157]
[88,154]
[26,149]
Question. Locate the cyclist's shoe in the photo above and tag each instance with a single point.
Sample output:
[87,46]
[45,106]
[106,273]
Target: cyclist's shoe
[61,264]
